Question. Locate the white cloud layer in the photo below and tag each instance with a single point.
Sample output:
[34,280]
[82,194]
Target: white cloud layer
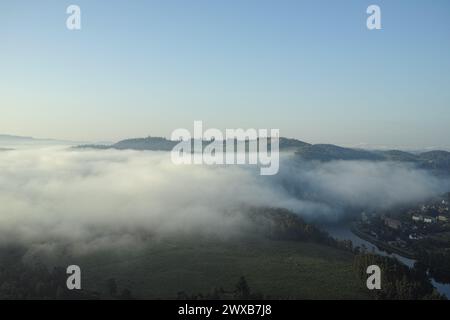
[91,198]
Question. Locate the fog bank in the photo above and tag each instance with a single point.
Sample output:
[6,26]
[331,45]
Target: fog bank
[97,198]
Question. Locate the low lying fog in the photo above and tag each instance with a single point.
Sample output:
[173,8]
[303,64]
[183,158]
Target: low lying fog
[92,198]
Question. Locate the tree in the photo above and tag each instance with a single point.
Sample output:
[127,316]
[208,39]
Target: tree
[242,289]
[126,295]
[111,286]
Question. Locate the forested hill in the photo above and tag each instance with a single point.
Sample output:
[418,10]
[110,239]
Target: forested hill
[436,160]
[163,144]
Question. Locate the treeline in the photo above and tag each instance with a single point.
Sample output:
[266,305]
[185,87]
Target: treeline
[437,263]
[282,224]
[35,281]
[398,282]
[19,280]
[241,291]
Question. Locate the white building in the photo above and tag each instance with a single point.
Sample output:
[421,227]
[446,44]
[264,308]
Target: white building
[429,219]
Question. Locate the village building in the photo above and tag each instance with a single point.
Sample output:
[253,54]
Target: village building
[429,219]
[392,223]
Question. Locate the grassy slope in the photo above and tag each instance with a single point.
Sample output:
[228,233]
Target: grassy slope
[280,269]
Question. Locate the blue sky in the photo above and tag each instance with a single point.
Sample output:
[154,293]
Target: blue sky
[310,68]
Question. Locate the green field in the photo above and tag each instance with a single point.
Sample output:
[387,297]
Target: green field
[279,269]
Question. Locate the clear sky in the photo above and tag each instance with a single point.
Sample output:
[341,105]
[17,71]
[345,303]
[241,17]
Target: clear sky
[310,68]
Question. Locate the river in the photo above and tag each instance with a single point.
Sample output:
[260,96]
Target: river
[343,232]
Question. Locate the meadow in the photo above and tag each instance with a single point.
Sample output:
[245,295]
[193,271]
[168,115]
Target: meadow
[275,269]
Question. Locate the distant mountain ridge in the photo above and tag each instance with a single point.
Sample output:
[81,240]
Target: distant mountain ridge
[163,144]
[12,137]
[436,160]
[12,140]
[148,143]
[328,152]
